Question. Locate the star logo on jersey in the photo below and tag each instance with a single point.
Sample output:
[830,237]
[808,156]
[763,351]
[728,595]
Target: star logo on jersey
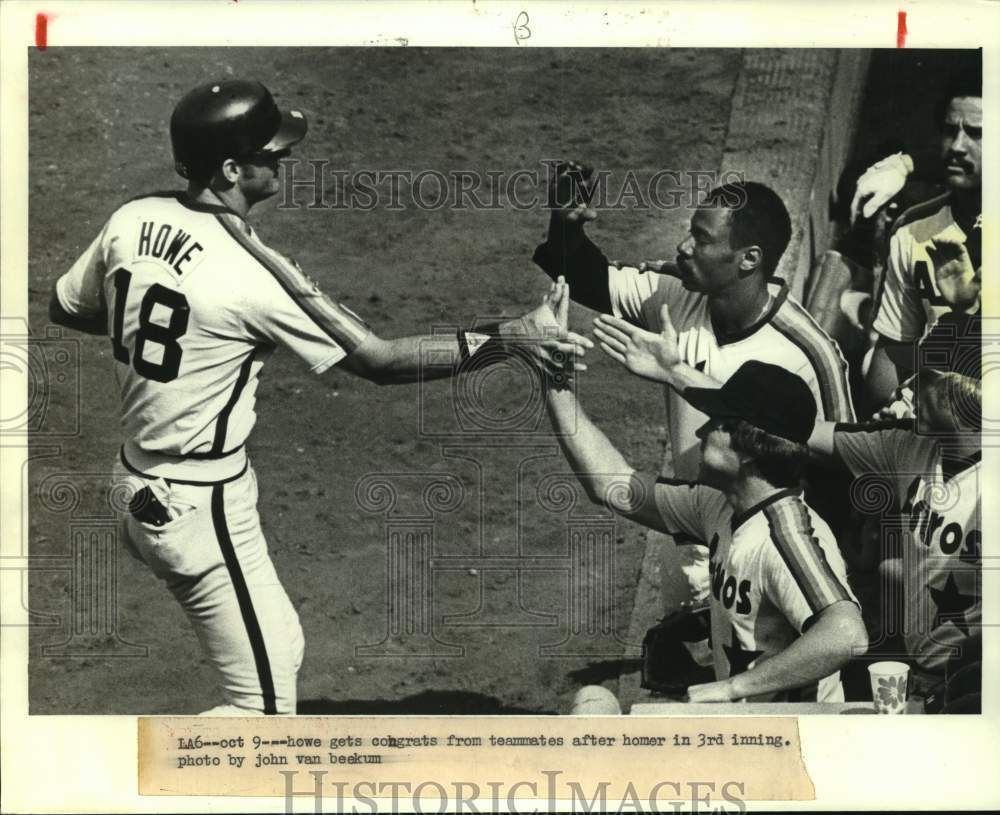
[739,660]
[952,605]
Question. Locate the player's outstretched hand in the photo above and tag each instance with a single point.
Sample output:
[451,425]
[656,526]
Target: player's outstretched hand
[879,184]
[958,279]
[559,350]
[571,187]
[720,691]
[644,353]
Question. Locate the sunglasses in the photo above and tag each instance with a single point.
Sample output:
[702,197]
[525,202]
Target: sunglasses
[268,155]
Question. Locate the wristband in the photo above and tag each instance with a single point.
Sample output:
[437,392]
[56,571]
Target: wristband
[483,343]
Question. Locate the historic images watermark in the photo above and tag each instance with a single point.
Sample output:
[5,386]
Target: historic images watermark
[494,410]
[318,184]
[518,795]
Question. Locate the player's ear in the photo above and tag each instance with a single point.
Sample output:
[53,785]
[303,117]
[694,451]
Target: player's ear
[230,170]
[752,258]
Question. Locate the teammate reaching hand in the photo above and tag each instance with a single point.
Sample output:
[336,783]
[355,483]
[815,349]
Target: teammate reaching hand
[932,465]
[728,309]
[194,302]
[784,620]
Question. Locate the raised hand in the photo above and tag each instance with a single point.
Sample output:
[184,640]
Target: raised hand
[958,279]
[879,184]
[570,192]
[559,350]
[644,353]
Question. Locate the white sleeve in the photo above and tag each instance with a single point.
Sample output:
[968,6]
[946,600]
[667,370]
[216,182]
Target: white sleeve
[290,310]
[631,290]
[874,447]
[80,290]
[681,505]
[900,315]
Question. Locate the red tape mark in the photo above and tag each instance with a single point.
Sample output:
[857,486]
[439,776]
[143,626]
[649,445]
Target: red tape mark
[901,30]
[41,31]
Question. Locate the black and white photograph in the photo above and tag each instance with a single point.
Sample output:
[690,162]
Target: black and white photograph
[395,380]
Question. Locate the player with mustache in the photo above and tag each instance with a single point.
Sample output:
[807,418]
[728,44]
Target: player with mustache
[934,254]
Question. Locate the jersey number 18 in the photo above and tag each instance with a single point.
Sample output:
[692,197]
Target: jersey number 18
[164,335]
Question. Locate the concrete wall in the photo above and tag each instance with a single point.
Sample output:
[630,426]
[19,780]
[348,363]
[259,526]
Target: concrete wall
[791,126]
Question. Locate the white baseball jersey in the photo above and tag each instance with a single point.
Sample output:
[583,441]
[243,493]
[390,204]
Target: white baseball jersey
[774,568]
[195,303]
[910,302]
[941,532]
[785,335]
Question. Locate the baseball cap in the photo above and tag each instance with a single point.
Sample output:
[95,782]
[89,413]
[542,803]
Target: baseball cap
[953,345]
[767,396]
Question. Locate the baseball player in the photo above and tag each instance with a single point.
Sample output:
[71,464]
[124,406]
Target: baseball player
[727,307]
[932,240]
[194,302]
[932,464]
[784,619]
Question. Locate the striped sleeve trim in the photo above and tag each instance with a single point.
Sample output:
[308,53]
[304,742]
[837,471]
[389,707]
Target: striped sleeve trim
[794,538]
[337,322]
[795,323]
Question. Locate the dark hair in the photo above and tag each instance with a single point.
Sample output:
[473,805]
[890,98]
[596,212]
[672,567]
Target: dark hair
[201,172]
[778,461]
[759,218]
[968,81]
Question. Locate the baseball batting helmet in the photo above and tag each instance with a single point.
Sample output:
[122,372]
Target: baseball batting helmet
[233,118]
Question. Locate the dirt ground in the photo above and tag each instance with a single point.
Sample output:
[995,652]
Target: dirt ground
[98,136]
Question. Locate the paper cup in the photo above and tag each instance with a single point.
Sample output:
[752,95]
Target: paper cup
[889,680]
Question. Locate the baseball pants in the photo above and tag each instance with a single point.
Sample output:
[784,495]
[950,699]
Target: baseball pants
[205,542]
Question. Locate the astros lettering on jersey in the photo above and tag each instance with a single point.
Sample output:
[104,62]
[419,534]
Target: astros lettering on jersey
[939,506]
[774,568]
[785,335]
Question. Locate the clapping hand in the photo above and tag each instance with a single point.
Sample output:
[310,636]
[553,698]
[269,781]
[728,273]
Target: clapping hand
[559,350]
[644,353]
[957,278]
